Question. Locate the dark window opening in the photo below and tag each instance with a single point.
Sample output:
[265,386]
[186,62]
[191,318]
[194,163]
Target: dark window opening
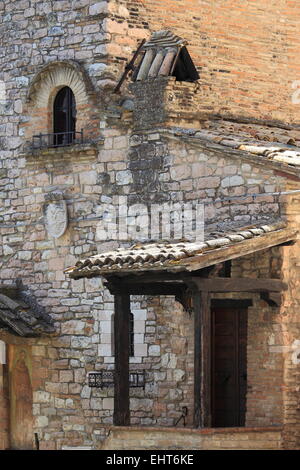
[184,69]
[225,271]
[64,117]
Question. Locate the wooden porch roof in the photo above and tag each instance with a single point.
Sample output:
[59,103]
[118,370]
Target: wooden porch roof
[21,316]
[184,256]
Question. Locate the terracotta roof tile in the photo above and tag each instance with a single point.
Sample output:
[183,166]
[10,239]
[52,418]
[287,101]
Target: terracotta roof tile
[271,143]
[159,254]
[161,56]
[20,315]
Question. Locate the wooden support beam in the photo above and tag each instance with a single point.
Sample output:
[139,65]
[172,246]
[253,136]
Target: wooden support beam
[225,284]
[147,277]
[273,299]
[202,360]
[157,288]
[231,303]
[121,376]
[206,360]
[197,359]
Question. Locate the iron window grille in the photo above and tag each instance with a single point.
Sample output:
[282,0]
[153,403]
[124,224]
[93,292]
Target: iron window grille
[105,379]
[57,139]
[64,123]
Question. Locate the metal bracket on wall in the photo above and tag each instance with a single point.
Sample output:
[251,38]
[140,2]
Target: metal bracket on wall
[105,379]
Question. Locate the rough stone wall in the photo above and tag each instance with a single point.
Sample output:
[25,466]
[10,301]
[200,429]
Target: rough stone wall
[158,169]
[289,319]
[237,81]
[170,360]
[163,169]
[265,363]
[145,167]
[197,439]
[167,103]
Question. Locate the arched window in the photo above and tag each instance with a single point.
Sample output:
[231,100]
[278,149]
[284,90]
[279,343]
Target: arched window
[64,117]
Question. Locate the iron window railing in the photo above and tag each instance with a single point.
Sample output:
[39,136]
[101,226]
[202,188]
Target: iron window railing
[57,139]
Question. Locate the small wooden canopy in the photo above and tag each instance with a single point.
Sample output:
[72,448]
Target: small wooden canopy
[169,269]
[184,256]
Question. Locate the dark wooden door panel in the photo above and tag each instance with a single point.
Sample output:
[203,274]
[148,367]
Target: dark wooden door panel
[229,365]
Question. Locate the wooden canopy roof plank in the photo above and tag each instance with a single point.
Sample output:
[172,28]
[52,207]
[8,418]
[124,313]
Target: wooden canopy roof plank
[238,250]
[184,257]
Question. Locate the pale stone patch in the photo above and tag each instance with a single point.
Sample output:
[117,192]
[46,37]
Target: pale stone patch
[42,421]
[41,397]
[98,8]
[236,180]
[154,350]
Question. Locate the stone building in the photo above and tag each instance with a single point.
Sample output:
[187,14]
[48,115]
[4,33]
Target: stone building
[117,336]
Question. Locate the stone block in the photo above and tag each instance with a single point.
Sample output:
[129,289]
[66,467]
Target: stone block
[104,350]
[96,403]
[154,350]
[229,181]
[124,177]
[86,392]
[139,326]
[42,421]
[88,177]
[72,327]
[108,403]
[140,350]
[81,342]
[66,376]
[41,397]
[98,8]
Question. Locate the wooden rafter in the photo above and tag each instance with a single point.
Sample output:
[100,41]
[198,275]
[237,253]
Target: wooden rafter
[225,284]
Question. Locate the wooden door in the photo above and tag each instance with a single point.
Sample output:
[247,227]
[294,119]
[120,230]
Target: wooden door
[229,363]
[20,397]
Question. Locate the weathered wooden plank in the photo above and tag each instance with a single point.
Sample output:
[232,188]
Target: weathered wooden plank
[197,359]
[202,360]
[147,277]
[121,376]
[206,360]
[231,303]
[238,250]
[157,288]
[272,298]
[129,66]
[225,284]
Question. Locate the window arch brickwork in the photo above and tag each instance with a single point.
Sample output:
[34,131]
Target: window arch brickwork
[44,89]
